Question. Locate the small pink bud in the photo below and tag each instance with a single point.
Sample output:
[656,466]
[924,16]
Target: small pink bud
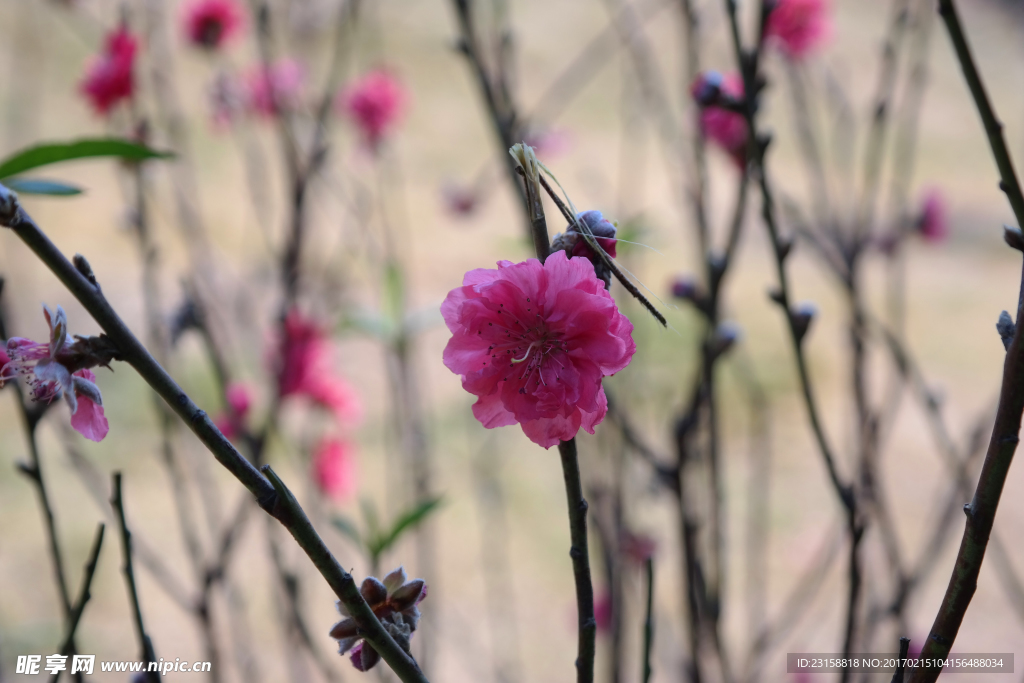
[802,316]
[722,126]
[933,223]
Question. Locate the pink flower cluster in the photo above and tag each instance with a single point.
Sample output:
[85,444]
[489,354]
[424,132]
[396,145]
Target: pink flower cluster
[209,24]
[533,342]
[108,78]
[718,123]
[53,370]
[278,87]
[374,103]
[797,27]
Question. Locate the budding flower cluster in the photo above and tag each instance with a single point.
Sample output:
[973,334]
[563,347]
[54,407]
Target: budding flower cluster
[394,602]
[573,243]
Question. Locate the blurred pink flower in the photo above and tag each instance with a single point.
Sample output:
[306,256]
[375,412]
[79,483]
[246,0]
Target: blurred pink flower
[799,26]
[374,102]
[533,341]
[603,611]
[239,400]
[54,369]
[108,78]
[933,223]
[305,369]
[549,142]
[210,23]
[724,127]
[334,468]
[459,200]
[276,88]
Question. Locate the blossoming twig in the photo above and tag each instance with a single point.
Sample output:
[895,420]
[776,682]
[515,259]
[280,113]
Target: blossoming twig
[271,494]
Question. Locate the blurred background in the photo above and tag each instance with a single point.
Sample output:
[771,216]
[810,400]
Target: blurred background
[411,214]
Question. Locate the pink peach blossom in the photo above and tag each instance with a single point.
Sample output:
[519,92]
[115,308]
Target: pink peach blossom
[375,103]
[334,468]
[460,200]
[799,26]
[305,369]
[933,223]
[275,88]
[210,23]
[603,611]
[724,127]
[533,341]
[53,370]
[108,78]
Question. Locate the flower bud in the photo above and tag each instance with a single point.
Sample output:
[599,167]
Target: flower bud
[1006,329]
[802,316]
[726,334]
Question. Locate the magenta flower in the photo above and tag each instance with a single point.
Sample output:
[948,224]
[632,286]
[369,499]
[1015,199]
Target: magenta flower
[210,23]
[637,548]
[334,468]
[375,103]
[724,127]
[239,400]
[933,223]
[305,369]
[533,341]
[108,78]
[55,369]
[395,602]
[799,26]
[276,88]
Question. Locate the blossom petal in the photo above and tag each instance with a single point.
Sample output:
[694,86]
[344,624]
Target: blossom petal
[395,580]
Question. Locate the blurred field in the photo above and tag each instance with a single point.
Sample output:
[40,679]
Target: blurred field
[955,293]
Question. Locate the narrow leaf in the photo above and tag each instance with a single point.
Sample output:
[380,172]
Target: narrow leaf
[409,520]
[40,186]
[52,153]
[347,528]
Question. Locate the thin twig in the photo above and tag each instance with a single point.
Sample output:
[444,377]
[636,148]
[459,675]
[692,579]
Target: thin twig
[145,643]
[83,598]
[580,554]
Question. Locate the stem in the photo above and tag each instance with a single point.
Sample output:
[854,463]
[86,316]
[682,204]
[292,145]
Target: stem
[648,622]
[580,555]
[993,128]
[1005,433]
[274,497]
[83,597]
[146,645]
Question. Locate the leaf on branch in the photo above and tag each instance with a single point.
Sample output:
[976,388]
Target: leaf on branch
[53,188]
[56,152]
[407,521]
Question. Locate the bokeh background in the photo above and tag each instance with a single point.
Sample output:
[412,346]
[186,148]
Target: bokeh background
[504,508]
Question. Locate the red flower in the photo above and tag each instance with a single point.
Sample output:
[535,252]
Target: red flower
[724,127]
[210,23]
[933,223]
[374,102]
[334,468]
[798,26]
[533,341]
[305,369]
[108,79]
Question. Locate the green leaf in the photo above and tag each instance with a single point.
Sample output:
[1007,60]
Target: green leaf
[406,522]
[40,186]
[55,152]
[347,528]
